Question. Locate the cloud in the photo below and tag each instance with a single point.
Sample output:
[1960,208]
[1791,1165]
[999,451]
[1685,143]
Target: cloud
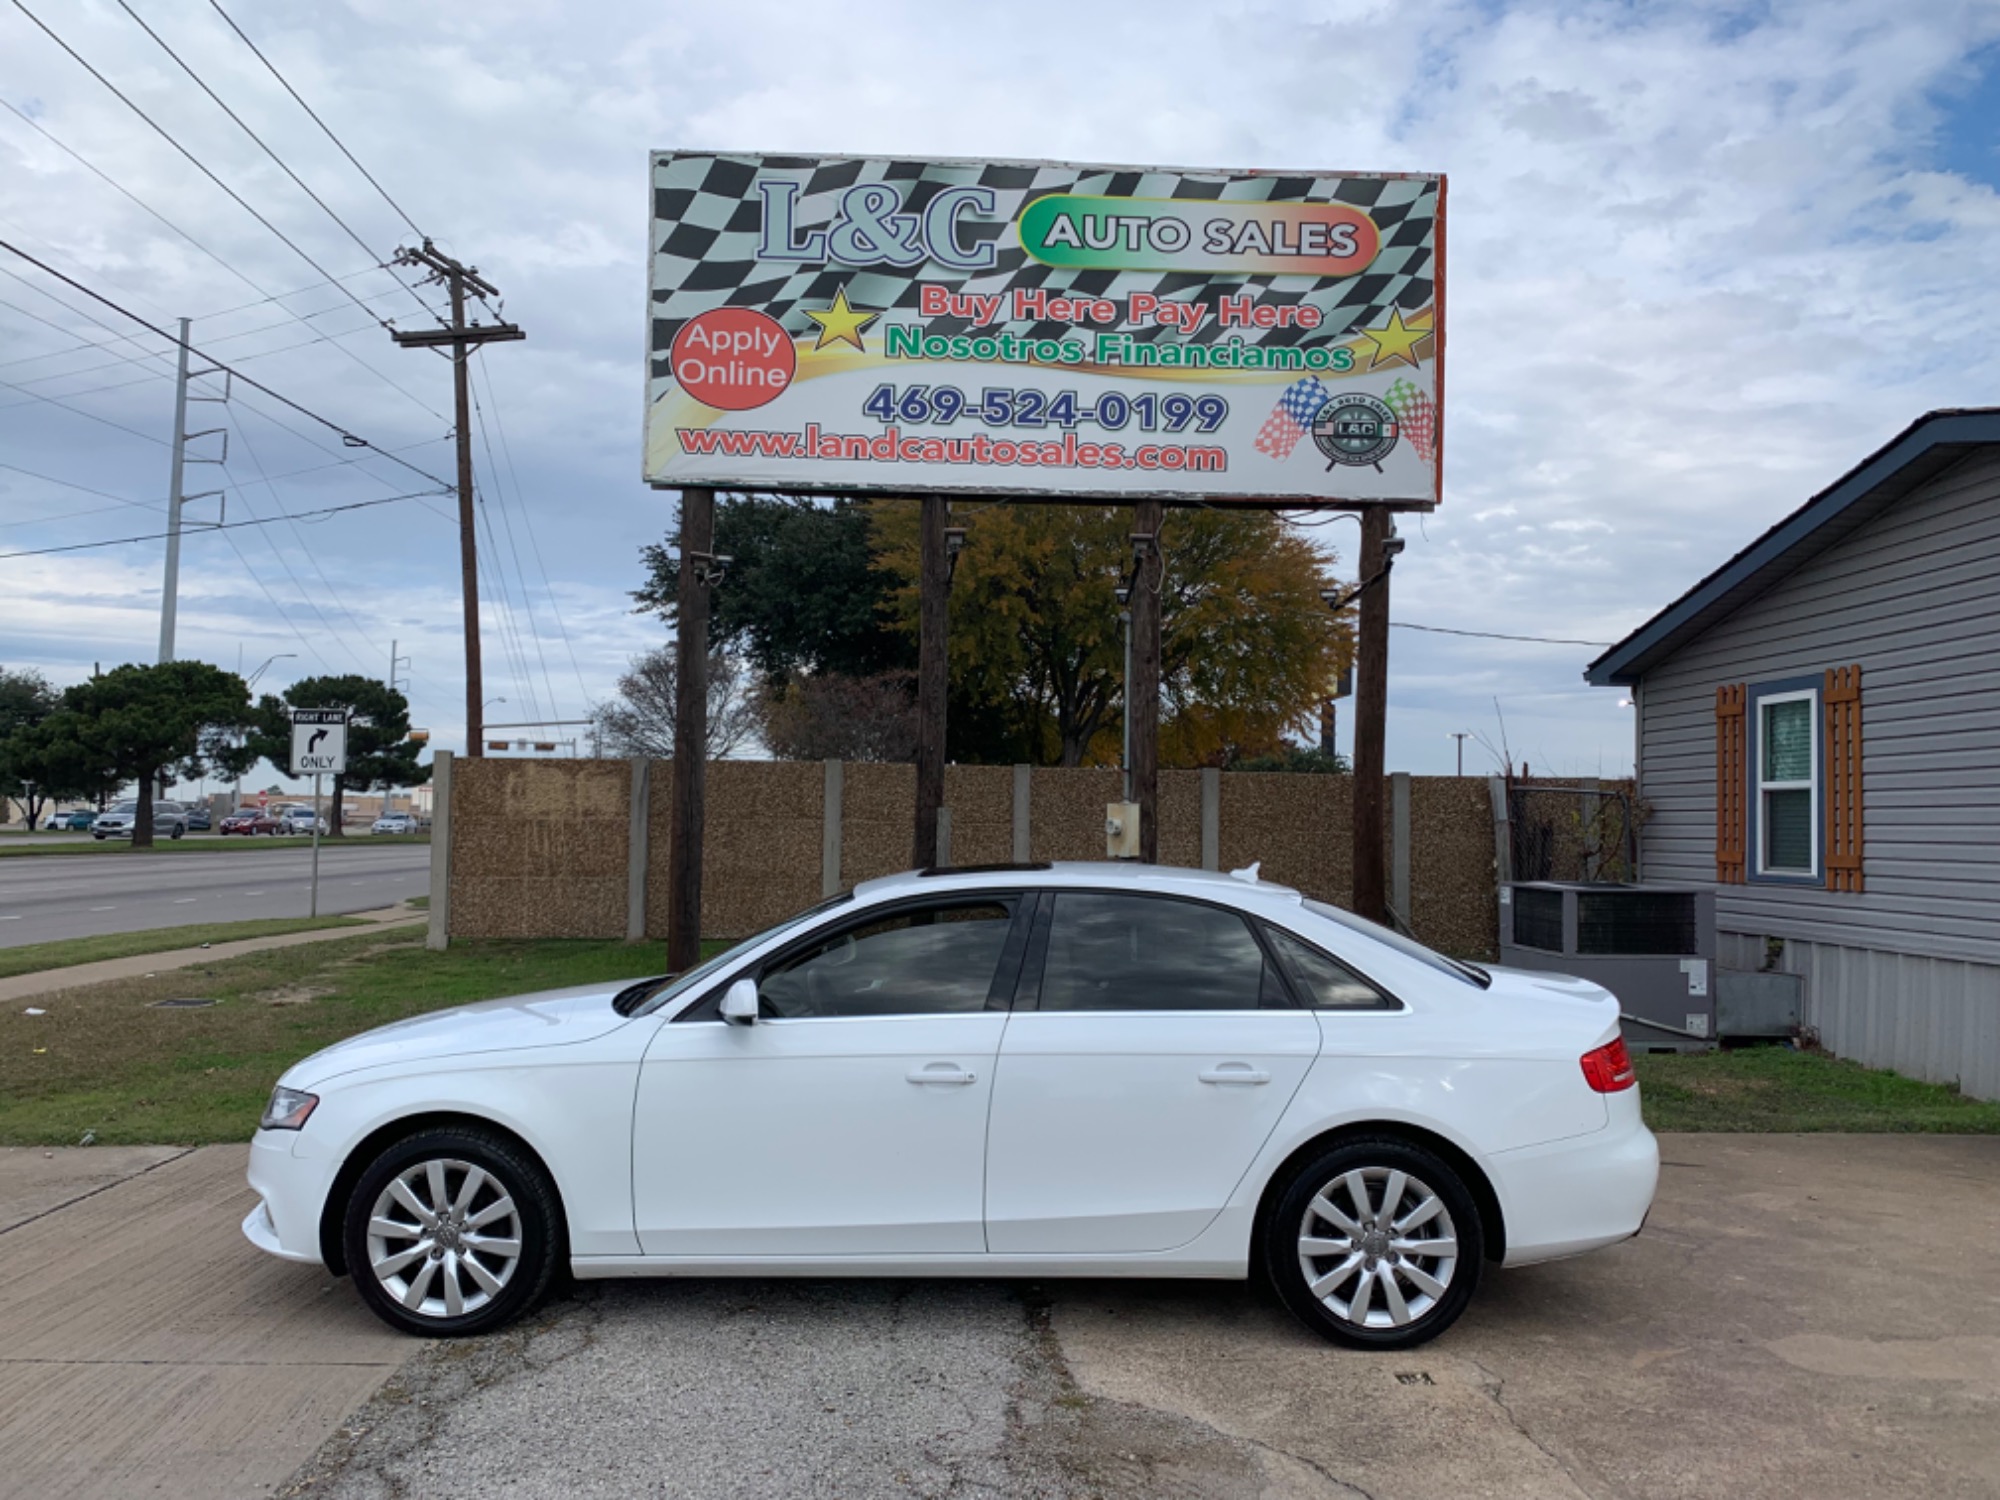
[1702,258]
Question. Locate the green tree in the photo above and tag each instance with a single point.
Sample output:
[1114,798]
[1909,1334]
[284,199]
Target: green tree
[380,753]
[133,722]
[26,772]
[801,593]
[1248,648]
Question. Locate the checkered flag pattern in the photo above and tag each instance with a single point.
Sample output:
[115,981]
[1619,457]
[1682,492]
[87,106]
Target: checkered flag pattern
[1291,418]
[1416,415]
[709,222]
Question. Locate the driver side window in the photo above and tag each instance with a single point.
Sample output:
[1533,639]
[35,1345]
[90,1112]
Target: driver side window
[928,960]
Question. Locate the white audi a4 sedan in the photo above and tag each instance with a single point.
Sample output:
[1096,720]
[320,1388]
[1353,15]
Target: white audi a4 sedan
[1067,1070]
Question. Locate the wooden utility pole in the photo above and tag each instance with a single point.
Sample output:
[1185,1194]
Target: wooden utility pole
[463,338]
[690,728]
[933,676]
[1371,713]
[1149,576]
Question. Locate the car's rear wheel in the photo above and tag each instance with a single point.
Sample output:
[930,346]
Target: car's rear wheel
[452,1231]
[1375,1243]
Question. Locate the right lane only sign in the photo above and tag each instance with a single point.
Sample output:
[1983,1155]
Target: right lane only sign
[319,741]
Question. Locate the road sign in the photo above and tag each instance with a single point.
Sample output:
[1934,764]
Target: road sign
[319,741]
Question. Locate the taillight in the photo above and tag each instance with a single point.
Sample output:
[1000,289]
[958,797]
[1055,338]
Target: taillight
[1608,1069]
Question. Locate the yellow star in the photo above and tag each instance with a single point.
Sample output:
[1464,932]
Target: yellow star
[1394,341]
[841,324]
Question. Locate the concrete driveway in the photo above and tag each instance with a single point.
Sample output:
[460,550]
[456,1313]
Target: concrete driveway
[146,1349]
[1811,1315]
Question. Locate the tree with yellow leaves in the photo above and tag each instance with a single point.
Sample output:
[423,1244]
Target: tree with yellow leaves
[1248,648]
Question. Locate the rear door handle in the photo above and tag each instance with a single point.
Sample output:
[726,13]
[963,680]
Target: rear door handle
[941,1072]
[1233,1072]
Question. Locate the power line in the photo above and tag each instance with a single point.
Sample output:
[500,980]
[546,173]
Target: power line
[337,282]
[528,520]
[317,120]
[347,437]
[166,136]
[154,536]
[283,166]
[520,574]
[1494,635]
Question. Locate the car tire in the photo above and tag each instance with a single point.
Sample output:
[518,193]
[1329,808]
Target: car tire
[469,1267]
[179,829]
[1366,1271]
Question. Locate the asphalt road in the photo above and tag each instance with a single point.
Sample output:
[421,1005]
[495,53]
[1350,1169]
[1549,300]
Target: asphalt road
[83,895]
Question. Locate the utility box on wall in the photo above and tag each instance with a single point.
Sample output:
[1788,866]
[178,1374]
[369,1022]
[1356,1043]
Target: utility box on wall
[1121,830]
[1652,946]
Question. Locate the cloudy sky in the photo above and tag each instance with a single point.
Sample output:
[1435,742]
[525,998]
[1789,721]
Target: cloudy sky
[1703,258]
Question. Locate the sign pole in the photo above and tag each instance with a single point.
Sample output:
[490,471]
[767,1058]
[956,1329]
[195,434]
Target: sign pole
[313,909]
[933,678]
[1149,578]
[1371,713]
[690,729]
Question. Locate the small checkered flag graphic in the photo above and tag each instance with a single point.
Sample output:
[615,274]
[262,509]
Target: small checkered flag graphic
[1416,415]
[1292,417]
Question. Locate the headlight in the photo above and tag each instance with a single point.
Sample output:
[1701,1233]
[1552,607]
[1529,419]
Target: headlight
[287,1110]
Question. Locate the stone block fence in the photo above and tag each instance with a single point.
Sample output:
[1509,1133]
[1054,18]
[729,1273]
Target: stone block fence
[578,848]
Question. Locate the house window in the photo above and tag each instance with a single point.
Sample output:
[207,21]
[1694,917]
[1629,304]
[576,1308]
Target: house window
[1787,769]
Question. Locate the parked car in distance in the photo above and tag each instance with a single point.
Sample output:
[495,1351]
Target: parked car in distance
[394,823]
[250,820]
[169,818]
[301,820]
[1033,1071]
[76,820]
[197,820]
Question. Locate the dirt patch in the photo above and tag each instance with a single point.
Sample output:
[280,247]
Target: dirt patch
[296,994]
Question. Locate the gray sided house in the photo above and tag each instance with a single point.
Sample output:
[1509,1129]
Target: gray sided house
[1819,739]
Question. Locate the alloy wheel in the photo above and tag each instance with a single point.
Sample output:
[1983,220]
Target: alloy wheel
[1378,1248]
[444,1238]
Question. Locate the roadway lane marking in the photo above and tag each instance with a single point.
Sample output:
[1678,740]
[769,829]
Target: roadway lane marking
[253,893]
[9,919]
[104,908]
[185,900]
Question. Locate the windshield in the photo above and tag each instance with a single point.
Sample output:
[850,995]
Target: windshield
[125,807]
[672,986]
[1408,947]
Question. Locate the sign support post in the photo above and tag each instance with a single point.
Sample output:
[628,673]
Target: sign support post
[1149,576]
[690,728]
[1371,712]
[312,909]
[933,675]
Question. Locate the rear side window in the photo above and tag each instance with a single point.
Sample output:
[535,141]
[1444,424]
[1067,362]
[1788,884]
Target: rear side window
[1111,952]
[1325,983]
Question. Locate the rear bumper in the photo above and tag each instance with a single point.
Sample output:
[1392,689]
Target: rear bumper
[1580,1194]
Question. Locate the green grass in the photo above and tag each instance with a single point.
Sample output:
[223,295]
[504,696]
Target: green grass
[1780,1089]
[418,903]
[103,1059]
[193,844]
[33,958]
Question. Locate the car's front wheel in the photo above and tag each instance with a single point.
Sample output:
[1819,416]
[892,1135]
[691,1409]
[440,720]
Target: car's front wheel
[452,1231]
[1374,1243]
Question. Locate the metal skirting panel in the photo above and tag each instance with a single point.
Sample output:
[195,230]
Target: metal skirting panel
[1932,1018]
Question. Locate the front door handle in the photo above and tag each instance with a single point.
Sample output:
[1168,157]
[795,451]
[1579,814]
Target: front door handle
[1233,1072]
[941,1072]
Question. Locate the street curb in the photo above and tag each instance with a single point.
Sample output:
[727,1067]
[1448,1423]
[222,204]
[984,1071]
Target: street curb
[139,965]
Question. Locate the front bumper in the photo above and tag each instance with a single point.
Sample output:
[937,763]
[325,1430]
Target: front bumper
[1579,1194]
[291,1190]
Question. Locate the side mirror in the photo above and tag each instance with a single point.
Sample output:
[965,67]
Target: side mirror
[739,1003]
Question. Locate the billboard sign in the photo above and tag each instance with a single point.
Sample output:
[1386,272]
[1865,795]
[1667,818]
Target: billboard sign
[1045,329]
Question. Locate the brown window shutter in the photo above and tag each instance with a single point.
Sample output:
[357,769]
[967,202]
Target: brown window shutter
[1731,774]
[1841,701]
